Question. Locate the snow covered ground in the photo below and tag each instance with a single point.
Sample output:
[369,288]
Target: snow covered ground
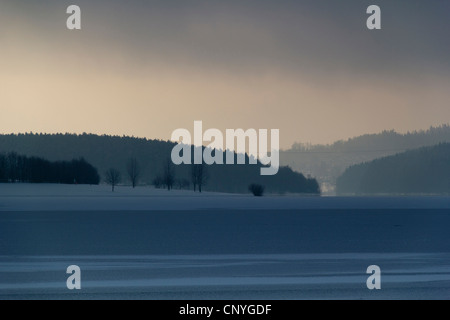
[152,244]
[52,197]
[315,276]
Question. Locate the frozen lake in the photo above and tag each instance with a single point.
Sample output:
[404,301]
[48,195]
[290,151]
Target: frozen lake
[149,244]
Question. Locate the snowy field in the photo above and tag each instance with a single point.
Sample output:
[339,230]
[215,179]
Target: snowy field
[152,244]
[48,197]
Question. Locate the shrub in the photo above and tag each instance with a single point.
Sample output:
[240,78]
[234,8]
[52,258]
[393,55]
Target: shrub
[257,190]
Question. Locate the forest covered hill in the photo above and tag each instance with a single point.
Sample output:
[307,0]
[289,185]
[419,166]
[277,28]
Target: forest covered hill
[105,152]
[421,171]
[328,162]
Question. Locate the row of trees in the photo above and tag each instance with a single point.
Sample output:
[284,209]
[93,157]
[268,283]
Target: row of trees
[199,177]
[19,168]
[168,179]
[134,172]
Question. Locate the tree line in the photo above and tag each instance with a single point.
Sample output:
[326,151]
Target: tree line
[167,179]
[106,152]
[20,168]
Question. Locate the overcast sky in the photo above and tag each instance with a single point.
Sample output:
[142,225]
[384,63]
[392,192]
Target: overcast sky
[145,68]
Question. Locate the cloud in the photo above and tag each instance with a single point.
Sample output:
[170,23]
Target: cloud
[308,37]
[146,67]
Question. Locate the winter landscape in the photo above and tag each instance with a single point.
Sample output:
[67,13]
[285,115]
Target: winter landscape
[238,150]
[147,244]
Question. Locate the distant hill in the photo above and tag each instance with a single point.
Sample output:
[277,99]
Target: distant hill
[105,152]
[328,162]
[421,171]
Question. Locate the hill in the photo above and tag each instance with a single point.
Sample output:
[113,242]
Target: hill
[421,171]
[328,162]
[105,152]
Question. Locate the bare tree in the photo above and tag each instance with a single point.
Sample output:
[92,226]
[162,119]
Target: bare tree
[112,177]
[182,184]
[169,174]
[203,176]
[199,176]
[134,171]
[158,182]
[194,176]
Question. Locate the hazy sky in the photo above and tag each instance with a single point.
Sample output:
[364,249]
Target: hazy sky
[145,68]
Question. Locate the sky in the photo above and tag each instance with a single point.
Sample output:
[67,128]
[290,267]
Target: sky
[141,68]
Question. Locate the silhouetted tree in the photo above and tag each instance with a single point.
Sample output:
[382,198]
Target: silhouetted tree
[182,184]
[194,177]
[13,166]
[169,174]
[134,171]
[256,189]
[112,177]
[158,182]
[199,176]
[3,173]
